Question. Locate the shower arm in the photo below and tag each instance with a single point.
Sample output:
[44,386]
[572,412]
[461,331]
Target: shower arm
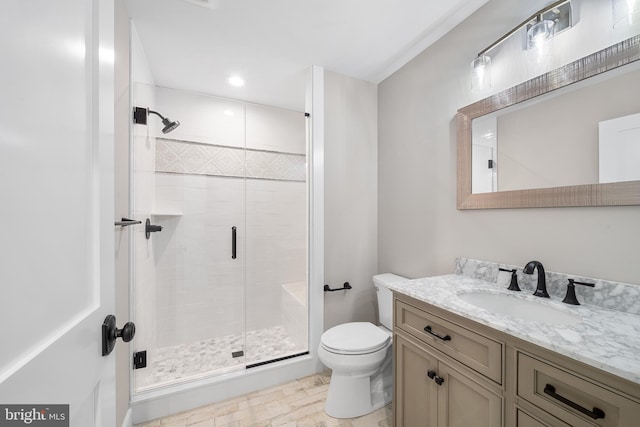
[156,113]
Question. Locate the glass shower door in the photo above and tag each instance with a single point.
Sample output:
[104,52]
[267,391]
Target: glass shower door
[223,286]
[276,240]
[189,282]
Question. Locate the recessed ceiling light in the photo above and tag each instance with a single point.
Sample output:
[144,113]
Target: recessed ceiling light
[236,81]
[211,4]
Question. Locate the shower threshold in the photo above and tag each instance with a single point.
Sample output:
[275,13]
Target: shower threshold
[205,358]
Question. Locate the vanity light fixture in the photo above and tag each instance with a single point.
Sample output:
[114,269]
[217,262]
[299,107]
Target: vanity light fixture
[625,13]
[539,33]
[541,26]
[481,73]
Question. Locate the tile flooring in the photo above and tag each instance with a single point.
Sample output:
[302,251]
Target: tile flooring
[167,365]
[299,403]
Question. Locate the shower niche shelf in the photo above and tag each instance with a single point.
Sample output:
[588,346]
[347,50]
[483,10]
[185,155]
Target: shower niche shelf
[166,213]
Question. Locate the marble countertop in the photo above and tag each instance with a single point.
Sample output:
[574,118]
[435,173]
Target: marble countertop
[606,339]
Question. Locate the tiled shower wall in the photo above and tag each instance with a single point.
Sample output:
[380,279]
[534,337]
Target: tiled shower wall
[197,192]
[200,289]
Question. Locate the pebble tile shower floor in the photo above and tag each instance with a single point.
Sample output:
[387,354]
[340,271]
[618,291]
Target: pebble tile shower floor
[187,361]
[299,403]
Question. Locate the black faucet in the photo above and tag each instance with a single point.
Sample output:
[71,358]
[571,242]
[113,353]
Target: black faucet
[541,289]
[570,298]
[513,286]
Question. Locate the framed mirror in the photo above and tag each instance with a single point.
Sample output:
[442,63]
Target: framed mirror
[587,176]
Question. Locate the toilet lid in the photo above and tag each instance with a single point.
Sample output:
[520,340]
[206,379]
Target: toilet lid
[355,338]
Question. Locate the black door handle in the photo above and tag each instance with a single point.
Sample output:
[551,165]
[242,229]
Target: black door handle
[149,228]
[126,222]
[233,242]
[595,414]
[443,338]
[110,333]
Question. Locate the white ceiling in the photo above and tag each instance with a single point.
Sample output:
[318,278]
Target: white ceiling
[271,43]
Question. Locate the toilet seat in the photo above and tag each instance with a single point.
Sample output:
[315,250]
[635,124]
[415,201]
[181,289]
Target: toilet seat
[355,338]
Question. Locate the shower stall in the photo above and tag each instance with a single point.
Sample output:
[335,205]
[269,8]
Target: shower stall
[219,274]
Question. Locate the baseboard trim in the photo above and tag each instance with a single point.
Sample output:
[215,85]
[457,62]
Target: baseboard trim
[128,419]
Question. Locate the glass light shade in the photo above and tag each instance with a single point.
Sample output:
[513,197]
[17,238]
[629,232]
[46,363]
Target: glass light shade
[539,33]
[481,73]
[626,13]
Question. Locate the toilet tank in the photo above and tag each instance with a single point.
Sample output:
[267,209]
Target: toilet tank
[385,297]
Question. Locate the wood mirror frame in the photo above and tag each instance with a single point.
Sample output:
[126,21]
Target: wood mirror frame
[610,194]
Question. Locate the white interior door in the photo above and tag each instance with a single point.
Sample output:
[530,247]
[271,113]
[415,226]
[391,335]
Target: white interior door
[56,193]
[483,169]
[619,149]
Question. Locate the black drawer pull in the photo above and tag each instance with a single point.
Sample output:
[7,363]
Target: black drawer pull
[595,414]
[438,380]
[431,373]
[443,338]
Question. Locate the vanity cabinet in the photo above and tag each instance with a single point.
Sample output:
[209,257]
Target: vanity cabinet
[480,353]
[416,395]
[432,392]
[433,386]
[450,372]
[571,397]
[525,420]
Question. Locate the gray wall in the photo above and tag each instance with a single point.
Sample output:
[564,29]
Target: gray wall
[420,231]
[350,198]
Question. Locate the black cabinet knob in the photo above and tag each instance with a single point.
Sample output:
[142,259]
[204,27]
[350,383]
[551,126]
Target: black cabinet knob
[438,380]
[431,373]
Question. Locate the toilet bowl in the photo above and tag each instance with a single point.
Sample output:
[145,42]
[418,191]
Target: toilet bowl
[359,355]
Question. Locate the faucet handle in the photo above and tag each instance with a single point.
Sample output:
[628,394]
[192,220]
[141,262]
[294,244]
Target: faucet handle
[570,298]
[513,286]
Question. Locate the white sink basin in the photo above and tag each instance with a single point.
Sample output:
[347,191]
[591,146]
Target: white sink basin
[518,307]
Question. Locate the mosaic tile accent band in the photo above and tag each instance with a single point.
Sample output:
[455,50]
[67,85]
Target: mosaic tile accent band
[203,159]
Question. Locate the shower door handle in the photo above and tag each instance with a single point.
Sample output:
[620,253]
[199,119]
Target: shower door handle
[233,242]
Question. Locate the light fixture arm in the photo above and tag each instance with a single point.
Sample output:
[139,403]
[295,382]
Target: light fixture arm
[537,16]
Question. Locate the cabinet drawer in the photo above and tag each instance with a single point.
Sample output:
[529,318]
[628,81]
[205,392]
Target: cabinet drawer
[478,352]
[525,420]
[571,398]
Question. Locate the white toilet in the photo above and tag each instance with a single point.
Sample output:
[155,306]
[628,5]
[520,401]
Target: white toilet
[359,355]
